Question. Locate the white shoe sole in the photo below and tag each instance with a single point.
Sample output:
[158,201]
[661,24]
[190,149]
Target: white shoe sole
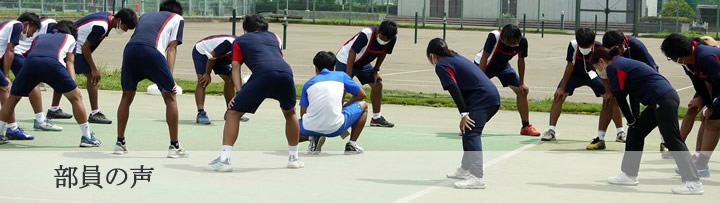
[225,169]
[353,152]
[177,156]
[471,187]
[89,145]
[456,177]
[547,140]
[120,152]
[48,129]
[623,183]
[296,165]
[690,193]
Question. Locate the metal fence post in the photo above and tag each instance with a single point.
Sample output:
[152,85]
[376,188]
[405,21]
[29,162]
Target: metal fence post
[542,26]
[524,23]
[416,27]
[444,25]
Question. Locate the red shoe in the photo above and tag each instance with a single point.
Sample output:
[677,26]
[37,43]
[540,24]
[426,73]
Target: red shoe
[530,131]
[695,156]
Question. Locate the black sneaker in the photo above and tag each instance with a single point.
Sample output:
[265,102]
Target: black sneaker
[59,114]
[381,122]
[350,150]
[316,143]
[99,118]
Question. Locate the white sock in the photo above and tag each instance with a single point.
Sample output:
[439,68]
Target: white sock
[601,134]
[93,112]
[85,129]
[293,151]
[376,115]
[226,151]
[3,124]
[352,143]
[40,117]
[620,130]
[12,126]
[552,127]
[54,108]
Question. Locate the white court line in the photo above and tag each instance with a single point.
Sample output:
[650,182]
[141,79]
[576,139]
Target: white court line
[684,88]
[406,72]
[36,200]
[445,183]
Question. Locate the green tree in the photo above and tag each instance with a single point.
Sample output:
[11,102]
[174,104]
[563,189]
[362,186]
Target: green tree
[678,8]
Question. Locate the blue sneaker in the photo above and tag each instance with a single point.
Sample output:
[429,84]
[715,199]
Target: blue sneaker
[90,142]
[3,139]
[220,166]
[702,173]
[202,118]
[18,134]
[242,119]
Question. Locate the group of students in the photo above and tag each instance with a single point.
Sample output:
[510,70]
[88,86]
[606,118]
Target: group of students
[617,69]
[45,51]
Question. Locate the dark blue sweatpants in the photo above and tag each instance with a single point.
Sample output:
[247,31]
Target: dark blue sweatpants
[472,159]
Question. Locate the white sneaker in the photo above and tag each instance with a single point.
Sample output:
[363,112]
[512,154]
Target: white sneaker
[120,148]
[220,166]
[689,188]
[471,182]
[623,179]
[295,163]
[548,136]
[179,152]
[460,173]
[621,137]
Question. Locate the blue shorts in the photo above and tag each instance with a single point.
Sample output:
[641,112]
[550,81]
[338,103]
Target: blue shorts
[262,85]
[352,114]
[507,76]
[222,65]
[366,74]
[81,65]
[42,69]
[145,62]
[574,82]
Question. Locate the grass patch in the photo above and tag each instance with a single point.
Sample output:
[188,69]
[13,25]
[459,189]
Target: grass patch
[111,81]
[690,34]
[345,22]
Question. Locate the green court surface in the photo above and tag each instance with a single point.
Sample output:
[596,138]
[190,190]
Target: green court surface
[402,164]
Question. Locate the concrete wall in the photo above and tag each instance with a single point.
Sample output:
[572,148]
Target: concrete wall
[551,8]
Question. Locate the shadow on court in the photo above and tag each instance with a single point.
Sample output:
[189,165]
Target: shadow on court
[403,182]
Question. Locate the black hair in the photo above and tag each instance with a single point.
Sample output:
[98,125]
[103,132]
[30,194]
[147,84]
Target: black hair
[171,6]
[676,45]
[511,34]
[604,53]
[613,38]
[67,27]
[254,23]
[585,37]
[127,17]
[388,29]
[32,18]
[438,47]
[324,60]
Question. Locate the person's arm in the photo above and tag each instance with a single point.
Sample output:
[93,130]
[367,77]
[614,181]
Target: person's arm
[569,68]
[457,96]
[484,60]
[358,94]
[70,64]
[8,59]
[171,53]
[521,69]
[303,110]
[625,108]
[93,38]
[702,91]
[350,63]
[379,61]
[206,78]
[237,60]
[87,54]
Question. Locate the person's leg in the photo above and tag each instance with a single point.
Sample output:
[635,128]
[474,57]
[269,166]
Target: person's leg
[292,127]
[92,89]
[509,78]
[171,115]
[200,95]
[228,89]
[358,126]
[605,116]
[123,113]
[472,149]
[688,122]
[522,104]
[75,99]
[709,138]
[666,116]
[636,141]
[700,135]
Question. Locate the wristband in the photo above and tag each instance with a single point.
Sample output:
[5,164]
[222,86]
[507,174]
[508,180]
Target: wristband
[462,115]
